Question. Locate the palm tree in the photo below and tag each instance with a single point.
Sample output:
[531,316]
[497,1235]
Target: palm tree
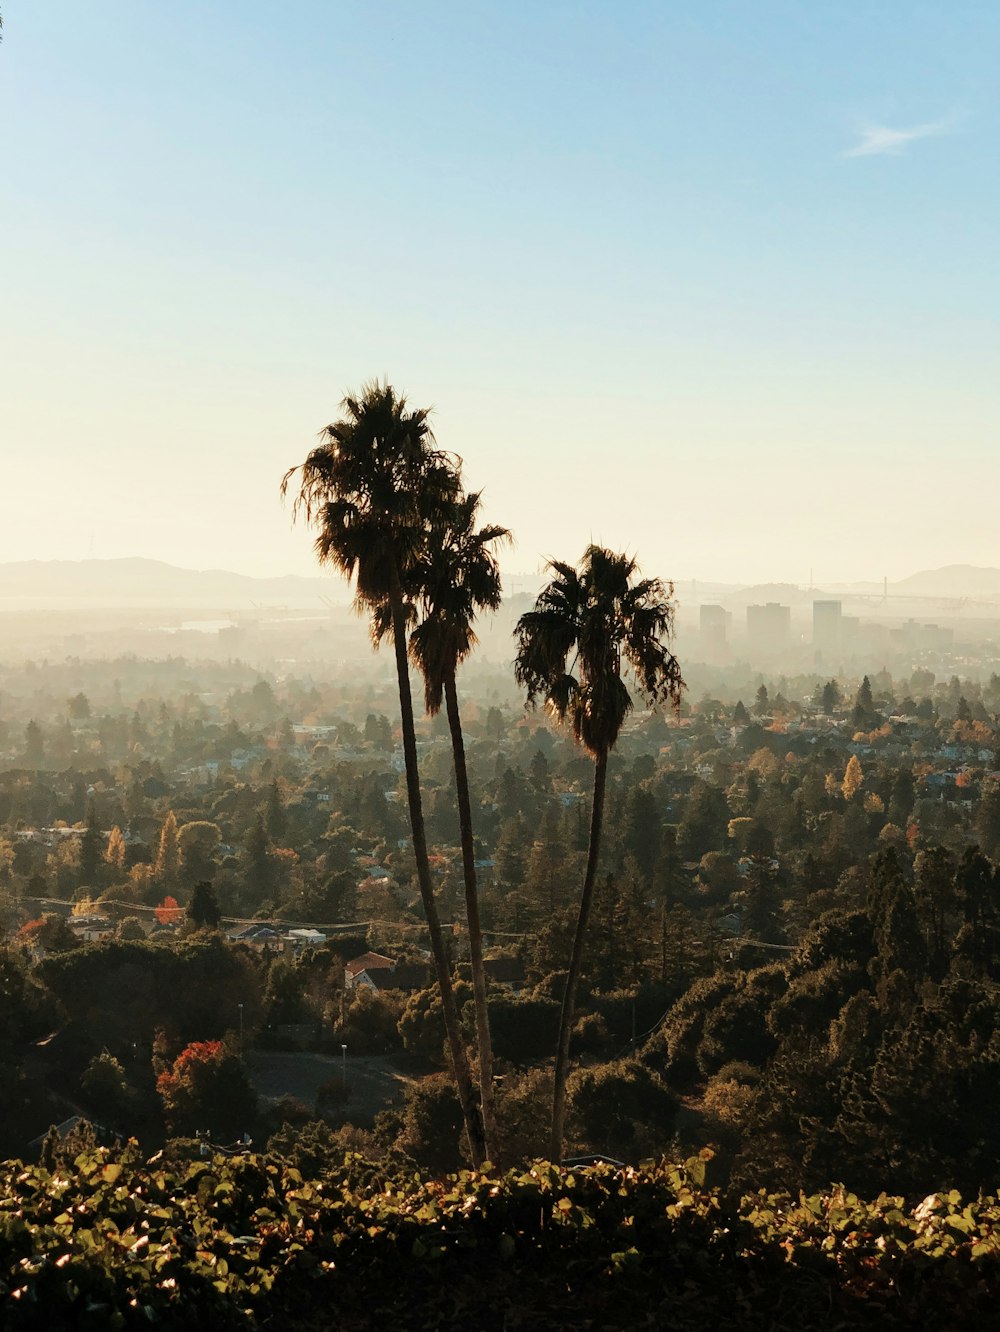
[570,653]
[373,486]
[458,577]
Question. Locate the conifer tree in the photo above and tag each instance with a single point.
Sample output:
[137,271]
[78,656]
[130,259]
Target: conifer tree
[203,909]
[91,849]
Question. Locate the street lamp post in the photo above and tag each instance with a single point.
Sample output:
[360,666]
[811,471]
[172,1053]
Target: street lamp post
[343,1065]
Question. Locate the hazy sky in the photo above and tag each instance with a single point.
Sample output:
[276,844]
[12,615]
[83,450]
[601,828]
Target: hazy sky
[716,282]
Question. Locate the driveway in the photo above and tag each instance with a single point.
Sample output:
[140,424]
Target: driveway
[374,1082]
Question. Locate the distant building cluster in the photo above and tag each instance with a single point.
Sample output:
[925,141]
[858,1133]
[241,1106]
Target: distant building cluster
[769,635]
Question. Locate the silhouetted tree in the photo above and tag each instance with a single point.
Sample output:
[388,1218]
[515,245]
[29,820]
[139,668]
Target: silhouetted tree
[570,651]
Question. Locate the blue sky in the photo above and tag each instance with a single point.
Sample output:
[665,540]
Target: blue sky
[714,282]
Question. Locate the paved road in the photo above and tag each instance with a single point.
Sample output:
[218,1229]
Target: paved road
[374,1082]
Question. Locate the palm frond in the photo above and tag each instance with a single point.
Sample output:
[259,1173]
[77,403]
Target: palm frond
[599,614]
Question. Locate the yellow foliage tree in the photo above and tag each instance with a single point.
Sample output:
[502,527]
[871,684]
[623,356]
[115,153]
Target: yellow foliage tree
[115,853]
[6,858]
[140,877]
[853,778]
[168,855]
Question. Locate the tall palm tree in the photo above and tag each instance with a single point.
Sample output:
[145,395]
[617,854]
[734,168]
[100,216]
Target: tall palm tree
[373,487]
[458,577]
[571,648]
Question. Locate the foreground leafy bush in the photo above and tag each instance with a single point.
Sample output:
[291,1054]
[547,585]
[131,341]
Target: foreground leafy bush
[244,1242]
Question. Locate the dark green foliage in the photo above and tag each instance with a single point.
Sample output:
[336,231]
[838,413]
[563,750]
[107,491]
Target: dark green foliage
[203,909]
[814,998]
[673,1050]
[736,1026]
[432,1125]
[260,872]
[524,1029]
[621,1109]
[864,715]
[371,1023]
[105,1089]
[703,823]
[312,1148]
[121,991]
[248,1242]
[844,936]
[91,848]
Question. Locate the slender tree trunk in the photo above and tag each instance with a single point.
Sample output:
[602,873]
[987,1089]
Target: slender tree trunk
[576,961]
[487,1099]
[663,942]
[456,1046]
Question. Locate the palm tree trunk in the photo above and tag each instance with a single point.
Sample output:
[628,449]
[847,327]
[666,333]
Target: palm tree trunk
[456,1046]
[576,960]
[487,1099]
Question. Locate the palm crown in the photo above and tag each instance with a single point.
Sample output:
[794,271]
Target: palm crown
[585,622]
[373,485]
[456,577]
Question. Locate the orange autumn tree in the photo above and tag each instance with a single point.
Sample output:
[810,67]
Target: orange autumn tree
[207,1087]
[169,911]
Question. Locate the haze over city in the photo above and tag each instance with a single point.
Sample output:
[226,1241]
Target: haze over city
[618,946]
[708,283]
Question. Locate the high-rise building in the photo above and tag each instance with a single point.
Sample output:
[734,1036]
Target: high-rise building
[826,629]
[713,623]
[769,627]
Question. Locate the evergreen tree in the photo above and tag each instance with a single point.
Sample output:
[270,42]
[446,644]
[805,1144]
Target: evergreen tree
[704,823]
[203,909]
[78,707]
[378,732]
[900,948]
[934,890]
[901,798]
[987,820]
[864,717]
[91,850]
[259,870]
[275,815]
[641,834]
[34,747]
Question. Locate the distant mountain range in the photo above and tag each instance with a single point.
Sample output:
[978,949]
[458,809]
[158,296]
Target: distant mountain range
[140,584]
[954,580]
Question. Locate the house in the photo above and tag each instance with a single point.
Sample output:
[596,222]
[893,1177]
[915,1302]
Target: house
[90,928]
[262,937]
[408,977]
[305,938]
[366,962]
